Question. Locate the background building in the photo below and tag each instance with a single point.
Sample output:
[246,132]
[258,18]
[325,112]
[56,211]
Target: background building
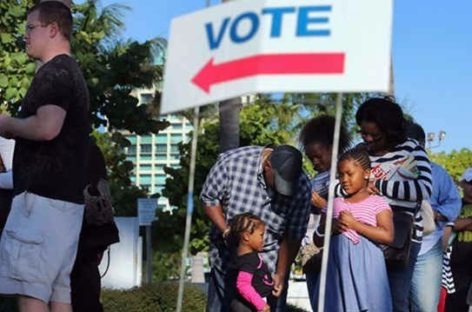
[151,153]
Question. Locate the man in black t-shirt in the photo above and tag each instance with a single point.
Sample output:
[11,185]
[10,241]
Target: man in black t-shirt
[40,238]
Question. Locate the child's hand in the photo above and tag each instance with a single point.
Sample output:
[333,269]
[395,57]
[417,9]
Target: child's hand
[278,285]
[346,221]
[266,308]
[318,201]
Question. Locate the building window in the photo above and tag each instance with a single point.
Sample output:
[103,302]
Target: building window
[160,179]
[146,139]
[161,149]
[146,149]
[146,157]
[145,167]
[145,179]
[131,150]
[174,149]
[162,138]
[177,126]
[176,138]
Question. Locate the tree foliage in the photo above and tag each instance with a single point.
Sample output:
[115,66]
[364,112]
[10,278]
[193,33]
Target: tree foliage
[16,69]
[455,162]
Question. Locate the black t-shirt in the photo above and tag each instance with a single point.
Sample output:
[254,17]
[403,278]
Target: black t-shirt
[253,264]
[57,168]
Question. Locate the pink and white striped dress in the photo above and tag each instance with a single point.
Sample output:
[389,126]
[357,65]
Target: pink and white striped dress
[365,211]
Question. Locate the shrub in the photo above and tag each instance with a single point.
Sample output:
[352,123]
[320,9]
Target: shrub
[161,297]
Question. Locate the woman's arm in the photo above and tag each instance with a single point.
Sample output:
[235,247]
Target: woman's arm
[410,189]
[317,201]
[382,233]
[463,224]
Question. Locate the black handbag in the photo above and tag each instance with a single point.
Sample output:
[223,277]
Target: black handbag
[397,253]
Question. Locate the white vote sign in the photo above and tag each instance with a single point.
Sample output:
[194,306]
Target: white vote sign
[250,46]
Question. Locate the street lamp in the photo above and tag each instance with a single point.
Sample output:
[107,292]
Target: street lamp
[431,137]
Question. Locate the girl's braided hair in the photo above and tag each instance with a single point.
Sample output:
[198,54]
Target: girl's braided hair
[242,223]
[359,155]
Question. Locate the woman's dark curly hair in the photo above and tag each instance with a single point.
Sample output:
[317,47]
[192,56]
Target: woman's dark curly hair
[321,130]
[387,115]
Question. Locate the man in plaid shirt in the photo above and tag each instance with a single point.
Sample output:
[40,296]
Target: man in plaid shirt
[268,183]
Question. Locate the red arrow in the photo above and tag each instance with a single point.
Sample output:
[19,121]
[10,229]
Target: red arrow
[269,64]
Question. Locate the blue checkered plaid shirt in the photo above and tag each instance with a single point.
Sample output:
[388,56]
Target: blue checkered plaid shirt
[237,184]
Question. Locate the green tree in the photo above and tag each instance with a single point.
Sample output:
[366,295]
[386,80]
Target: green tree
[16,69]
[455,162]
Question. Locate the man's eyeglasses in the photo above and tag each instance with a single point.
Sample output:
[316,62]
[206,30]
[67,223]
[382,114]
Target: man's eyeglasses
[30,27]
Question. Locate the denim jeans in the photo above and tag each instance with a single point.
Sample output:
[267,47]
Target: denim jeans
[400,281]
[426,282]
[220,294]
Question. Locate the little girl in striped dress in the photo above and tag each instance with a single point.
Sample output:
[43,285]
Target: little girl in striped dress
[357,277]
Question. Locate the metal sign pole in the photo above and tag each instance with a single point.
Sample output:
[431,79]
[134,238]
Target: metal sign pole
[329,213]
[148,255]
[188,223]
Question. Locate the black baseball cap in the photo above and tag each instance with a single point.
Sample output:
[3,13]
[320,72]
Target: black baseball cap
[286,162]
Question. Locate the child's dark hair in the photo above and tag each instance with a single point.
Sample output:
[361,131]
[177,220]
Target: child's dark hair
[359,155]
[321,130]
[241,223]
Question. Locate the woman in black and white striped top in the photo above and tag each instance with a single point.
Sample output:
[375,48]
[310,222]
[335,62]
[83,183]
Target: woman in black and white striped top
[401,172]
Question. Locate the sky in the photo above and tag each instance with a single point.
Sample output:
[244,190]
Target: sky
[431,48]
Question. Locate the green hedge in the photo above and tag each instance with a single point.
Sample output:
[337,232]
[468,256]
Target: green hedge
[161,297]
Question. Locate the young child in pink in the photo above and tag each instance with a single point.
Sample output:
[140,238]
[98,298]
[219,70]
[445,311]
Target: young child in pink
[250,275]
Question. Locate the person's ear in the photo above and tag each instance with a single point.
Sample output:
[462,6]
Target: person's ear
[267,164]
[367,174]
[53,30]
[245,236]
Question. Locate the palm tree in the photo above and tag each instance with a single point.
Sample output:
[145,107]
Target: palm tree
[229,122]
